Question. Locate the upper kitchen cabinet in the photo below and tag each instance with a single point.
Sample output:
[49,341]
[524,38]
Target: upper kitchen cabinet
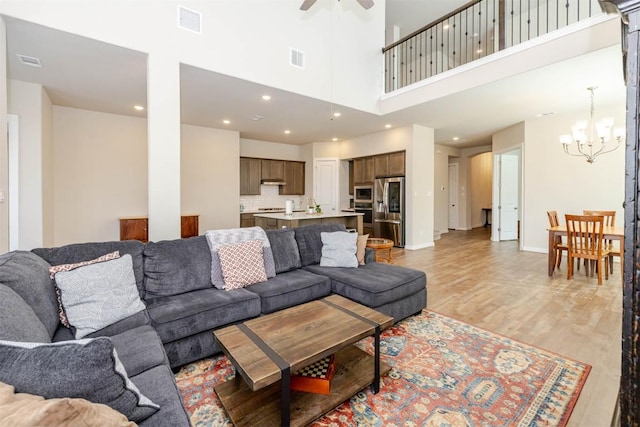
[390,164]
[293,178]
[250,175]
[272,169]
[363,171]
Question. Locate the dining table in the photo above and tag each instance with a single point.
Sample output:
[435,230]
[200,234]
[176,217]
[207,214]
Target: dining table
[609,232]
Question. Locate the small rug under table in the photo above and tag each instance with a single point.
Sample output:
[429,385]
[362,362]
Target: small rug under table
[444,372]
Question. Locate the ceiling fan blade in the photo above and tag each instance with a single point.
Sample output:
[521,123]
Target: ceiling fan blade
[367,4]
[307,4]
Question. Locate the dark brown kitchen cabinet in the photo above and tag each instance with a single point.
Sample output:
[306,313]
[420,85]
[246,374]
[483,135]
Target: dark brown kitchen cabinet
[250,175]
[351,177]
[272,169]
[293,178]
[247,220]
[137,228]
[389,164]
[363,171]
[396,164]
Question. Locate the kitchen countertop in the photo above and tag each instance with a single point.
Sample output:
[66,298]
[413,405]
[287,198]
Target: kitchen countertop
[303,215]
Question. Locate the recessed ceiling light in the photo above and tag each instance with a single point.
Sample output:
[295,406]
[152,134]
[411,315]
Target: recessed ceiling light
[455,138]
[446,26]
[479,51]
[226,122]
[337,114]
[138,107]
[266,97]
[287,131]
[387,125]
[334,139]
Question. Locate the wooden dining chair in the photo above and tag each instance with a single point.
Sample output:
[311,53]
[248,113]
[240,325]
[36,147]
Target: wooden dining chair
[609,220]
[558,245]
[585,241]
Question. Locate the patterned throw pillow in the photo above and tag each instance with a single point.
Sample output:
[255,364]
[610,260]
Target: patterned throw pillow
[98,295]
[242,264]
[68,267]
[218,238]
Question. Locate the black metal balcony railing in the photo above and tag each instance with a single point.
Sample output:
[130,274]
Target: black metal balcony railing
[474,31]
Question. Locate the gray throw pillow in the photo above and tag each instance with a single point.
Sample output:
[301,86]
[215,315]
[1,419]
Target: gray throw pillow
[98,295]
[89,369]
[309,243]
[339,249]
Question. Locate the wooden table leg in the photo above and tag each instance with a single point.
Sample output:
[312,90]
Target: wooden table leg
[552,252]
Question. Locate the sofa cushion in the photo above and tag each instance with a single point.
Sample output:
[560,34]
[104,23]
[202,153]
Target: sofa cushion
[174,267]
[373,284]
[28,275]
[310,243]
[97,295]
[183,315]
[19,322]
[88,369]
[242,264]
[289,289]
[285,249]
[139,349]
[24,409]
[160,386]
[139,319]
[339,249]
[78,252]
[217,238]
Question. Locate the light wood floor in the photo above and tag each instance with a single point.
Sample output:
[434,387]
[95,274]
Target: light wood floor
[495,286]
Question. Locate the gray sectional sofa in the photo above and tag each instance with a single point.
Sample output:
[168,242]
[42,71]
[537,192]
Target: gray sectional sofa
[173,279]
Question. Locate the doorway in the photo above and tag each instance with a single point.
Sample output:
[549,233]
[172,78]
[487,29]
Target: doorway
[507,185]
[453,196]
[325,179]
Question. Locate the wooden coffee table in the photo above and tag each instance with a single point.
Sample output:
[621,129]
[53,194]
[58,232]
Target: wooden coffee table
[267,350]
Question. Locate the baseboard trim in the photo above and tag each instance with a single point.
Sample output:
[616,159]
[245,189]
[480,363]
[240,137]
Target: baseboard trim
[416,247]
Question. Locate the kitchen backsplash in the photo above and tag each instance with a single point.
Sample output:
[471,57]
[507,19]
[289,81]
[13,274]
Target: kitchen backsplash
[269,198]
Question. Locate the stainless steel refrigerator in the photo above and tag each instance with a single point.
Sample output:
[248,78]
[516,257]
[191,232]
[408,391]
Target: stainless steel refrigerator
[388,209]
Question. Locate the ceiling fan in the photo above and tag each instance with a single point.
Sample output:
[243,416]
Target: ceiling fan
[306,4]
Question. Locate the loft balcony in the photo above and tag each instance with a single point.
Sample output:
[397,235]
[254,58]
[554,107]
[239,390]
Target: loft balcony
[474,31]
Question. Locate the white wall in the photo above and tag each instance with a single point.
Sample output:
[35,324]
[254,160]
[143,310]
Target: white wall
[26,101]
[100,173]
[48,184]
[4,155]
[341,40]
[442,158]
[270,150]
[555,181]
[210,176]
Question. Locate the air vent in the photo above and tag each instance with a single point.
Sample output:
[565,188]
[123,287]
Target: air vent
[296,57]
[189,19]
[29,60]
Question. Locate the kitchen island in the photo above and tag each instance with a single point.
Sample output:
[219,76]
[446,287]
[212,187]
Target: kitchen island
[270,221]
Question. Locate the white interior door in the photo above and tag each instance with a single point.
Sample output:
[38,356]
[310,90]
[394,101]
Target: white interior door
[325,178]
[453,196]
[509,189]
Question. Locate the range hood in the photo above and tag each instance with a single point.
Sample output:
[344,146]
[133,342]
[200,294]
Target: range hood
[273,182]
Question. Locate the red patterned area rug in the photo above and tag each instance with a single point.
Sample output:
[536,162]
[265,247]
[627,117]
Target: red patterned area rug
[444,373]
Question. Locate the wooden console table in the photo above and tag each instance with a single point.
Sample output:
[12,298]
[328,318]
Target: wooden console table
[137,228]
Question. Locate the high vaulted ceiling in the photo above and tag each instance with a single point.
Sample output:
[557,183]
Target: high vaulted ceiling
[88,74]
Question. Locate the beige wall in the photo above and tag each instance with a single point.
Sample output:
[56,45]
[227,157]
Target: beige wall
[100,173]
[443,156]
[481,170]
[210,176]
[48,184]
[555,181]
[270,150]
